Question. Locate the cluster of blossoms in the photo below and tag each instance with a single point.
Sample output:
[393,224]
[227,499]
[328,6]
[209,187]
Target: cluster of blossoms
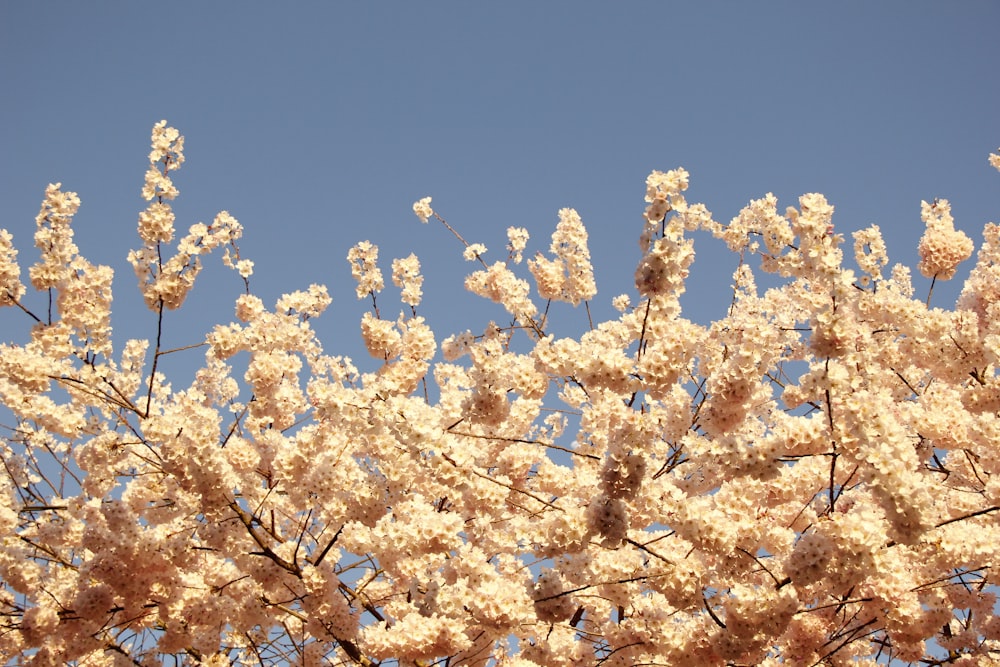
[942,247]
[812,480]
[569,277]
[166,283]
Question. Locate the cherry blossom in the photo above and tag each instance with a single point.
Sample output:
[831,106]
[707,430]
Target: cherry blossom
[813,479]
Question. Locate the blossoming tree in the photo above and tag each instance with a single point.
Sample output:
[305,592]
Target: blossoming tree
[813,479]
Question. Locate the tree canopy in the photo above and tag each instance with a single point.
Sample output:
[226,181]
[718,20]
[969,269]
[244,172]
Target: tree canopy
[808,480]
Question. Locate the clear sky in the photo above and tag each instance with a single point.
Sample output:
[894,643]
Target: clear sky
[317,124]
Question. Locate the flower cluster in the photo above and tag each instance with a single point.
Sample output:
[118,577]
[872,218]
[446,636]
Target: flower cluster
[11,287]
[570,276]
[517,241]
[166,283]
[423,209]
[364,267]
[812,479]
[406,276]
[942,247]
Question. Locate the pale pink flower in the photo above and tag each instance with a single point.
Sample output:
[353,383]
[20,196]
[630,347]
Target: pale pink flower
[497,283]
[870,252]
[54,238]
[570,276]
[942,247]
[473,252]
[662,190]
[364,267]
[11,287]
[406,275]
[812,477]
[423,209]
[517,241]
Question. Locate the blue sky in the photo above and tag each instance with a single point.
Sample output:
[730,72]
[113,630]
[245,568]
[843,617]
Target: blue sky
[317,124]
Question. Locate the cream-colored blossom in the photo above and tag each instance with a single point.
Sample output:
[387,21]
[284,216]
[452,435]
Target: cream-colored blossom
[870,251]
[423,209]
[364,267]
[570,276]
[810,478]
[156,223]
[517,241]
[231,259]
[663,189]
[85,304]
[942,247]
[305,303]
[158,185]
[456,346]
[380,336]
[406,275]
[168,146]
[54,238]
[500,285]
[473,251]
[664,269]
[11,287]
[982,289]
[166,281]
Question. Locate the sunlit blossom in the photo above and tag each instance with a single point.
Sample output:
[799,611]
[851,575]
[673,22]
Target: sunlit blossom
[423,209]
[811,479]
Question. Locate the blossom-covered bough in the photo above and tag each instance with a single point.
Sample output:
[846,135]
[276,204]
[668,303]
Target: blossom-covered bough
[812,480]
